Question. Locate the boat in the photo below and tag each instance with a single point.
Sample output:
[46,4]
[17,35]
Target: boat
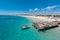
[25,27]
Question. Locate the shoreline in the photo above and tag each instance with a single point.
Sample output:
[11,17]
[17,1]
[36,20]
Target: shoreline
[38,18]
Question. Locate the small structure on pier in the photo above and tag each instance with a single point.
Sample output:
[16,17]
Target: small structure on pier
[46,25]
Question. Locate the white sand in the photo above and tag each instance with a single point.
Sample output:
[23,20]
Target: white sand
[41,18]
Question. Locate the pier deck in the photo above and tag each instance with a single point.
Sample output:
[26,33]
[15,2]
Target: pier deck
[46,25]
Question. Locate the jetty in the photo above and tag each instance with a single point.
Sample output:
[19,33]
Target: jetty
[46,25]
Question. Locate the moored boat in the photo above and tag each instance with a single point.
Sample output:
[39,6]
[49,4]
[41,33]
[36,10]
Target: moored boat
[24,27]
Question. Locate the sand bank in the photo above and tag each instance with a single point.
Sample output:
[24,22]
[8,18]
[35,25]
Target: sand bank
[41,18]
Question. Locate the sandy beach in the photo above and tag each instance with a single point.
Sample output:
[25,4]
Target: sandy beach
[41,18]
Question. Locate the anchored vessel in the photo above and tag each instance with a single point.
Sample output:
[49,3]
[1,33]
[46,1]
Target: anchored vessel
[25,27]
[46,25]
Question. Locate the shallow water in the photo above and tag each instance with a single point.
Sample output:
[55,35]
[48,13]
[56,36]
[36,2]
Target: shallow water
[10,29]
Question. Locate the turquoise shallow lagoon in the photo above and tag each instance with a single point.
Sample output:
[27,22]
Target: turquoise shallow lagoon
[10,29]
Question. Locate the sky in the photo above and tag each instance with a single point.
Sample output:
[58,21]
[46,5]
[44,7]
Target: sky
[30,6]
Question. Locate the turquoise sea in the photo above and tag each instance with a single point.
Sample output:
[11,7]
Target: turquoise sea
[10,29]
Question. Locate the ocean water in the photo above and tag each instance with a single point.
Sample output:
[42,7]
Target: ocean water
[10,29]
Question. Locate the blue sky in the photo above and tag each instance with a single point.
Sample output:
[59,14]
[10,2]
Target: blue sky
[30,6]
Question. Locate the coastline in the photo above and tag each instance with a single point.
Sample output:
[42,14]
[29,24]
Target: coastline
[38,18]
[35,18]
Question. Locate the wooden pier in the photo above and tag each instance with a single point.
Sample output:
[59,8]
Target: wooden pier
[46,25]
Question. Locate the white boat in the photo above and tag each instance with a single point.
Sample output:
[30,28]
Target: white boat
[25,27]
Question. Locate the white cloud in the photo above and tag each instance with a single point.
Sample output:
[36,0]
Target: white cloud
[50,7]
[47,10]
[36,9]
